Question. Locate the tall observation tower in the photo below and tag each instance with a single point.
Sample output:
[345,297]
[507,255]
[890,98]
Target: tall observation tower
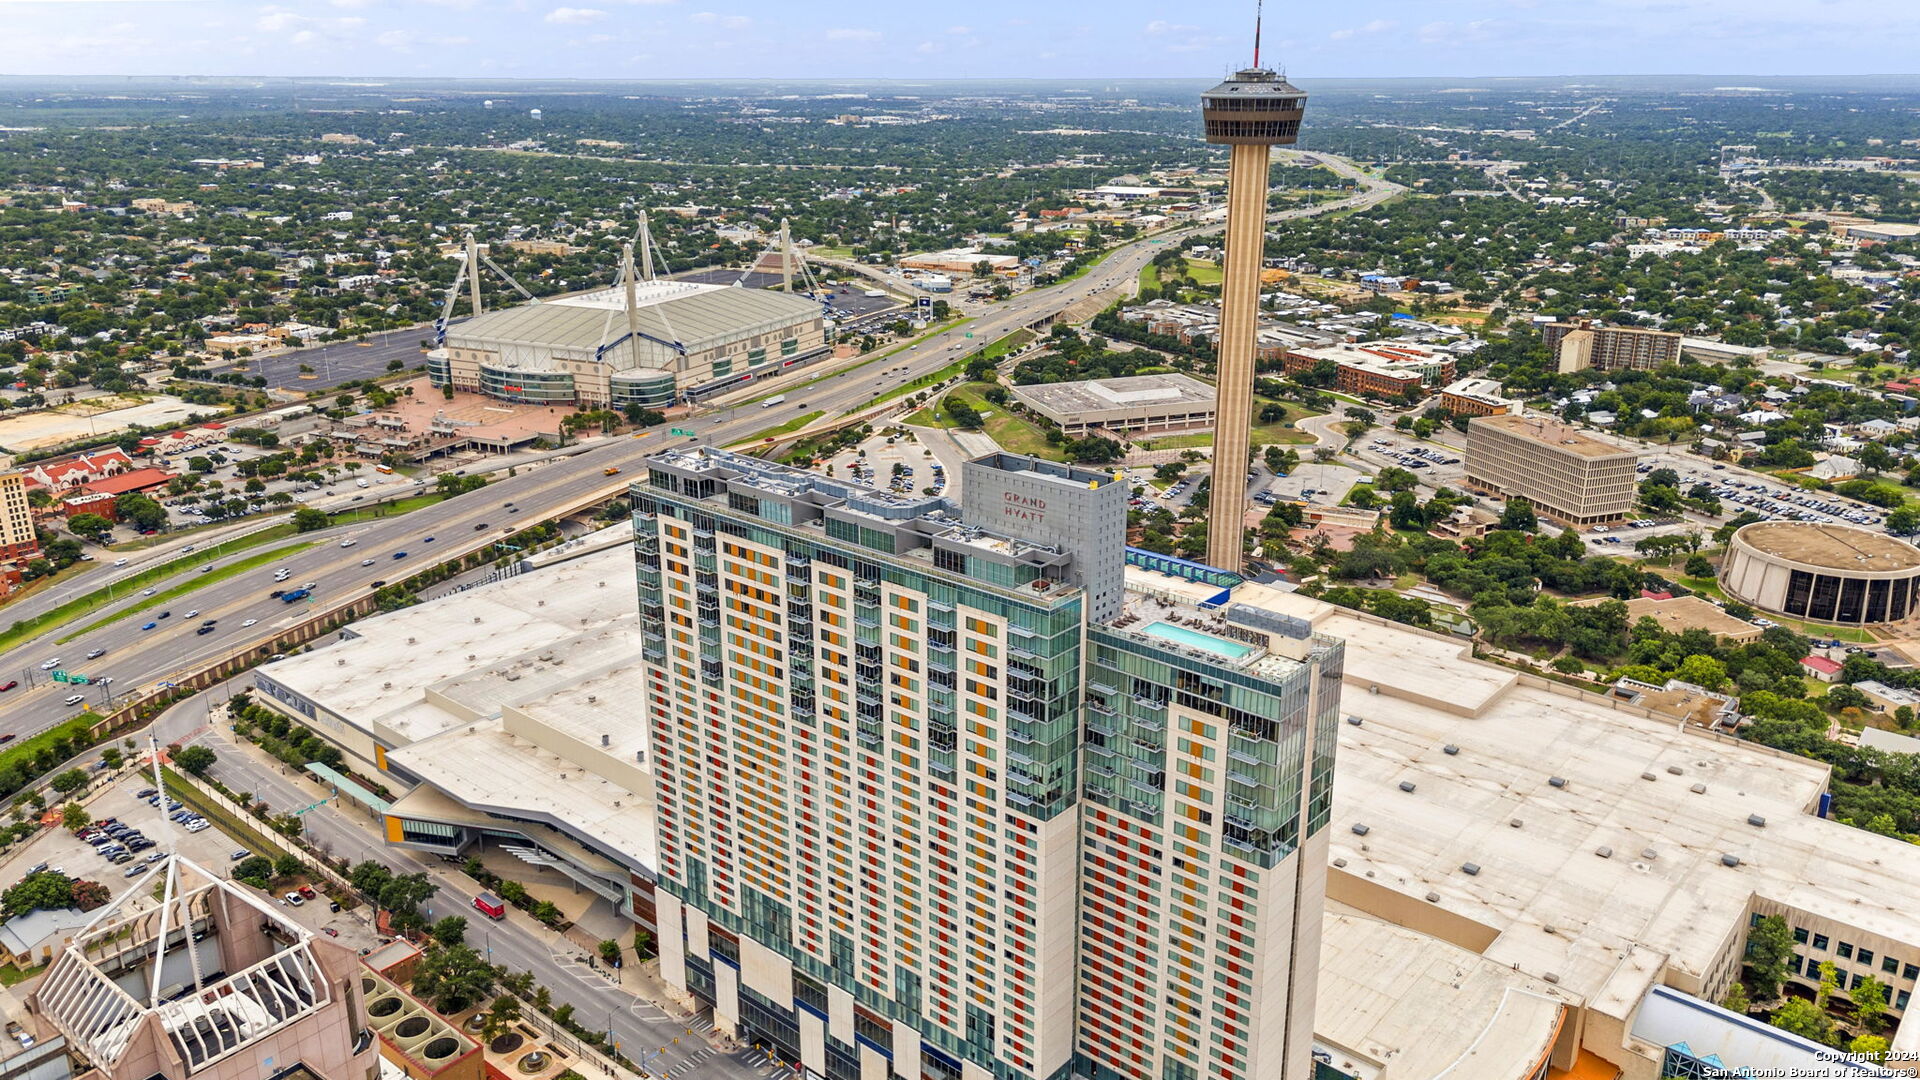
[1252,112]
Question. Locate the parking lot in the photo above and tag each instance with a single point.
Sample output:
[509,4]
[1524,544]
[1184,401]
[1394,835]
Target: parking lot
[883,453]
[1739,490]
[68,853]
[1309,482]
[1436,466]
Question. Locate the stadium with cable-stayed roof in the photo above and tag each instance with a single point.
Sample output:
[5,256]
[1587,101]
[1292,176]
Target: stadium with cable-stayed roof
[683,339]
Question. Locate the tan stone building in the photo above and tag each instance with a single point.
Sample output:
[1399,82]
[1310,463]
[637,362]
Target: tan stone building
[1584,344]
[1564,473]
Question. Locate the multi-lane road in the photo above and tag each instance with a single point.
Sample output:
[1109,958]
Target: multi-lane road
[138,658]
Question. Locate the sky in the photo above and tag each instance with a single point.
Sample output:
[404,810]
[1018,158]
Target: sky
[638,39]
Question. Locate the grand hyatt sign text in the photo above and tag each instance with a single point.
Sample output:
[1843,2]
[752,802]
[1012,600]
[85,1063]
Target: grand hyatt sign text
[1023,508]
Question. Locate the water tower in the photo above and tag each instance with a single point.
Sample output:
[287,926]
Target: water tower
[1252,112]
[534,113]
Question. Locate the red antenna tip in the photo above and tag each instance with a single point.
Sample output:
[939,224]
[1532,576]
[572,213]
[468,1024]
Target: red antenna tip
[1259,11]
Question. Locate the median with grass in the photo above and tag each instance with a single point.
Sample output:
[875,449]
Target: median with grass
[27,629]
[198,581]
[772,433]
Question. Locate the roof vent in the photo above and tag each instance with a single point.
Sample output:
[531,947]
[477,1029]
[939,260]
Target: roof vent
[1648,776]
[540,603]
[1361,830]
[1514,823]
[1756,821]
[1698,789]
[339,663]
[1557,781]
[1675,770]
[1449,749]
[1471,869]
[1354,720]
[386,686]
[1552,978]
[471,656]
[1729,860]
[476,620]
[606,740]
[593,699]
[1603,851]
[410,641]
[1339,862]
[1406,785]
[1433,898]
[1649,854]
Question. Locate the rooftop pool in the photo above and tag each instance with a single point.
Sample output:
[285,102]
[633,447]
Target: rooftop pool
[1185,635]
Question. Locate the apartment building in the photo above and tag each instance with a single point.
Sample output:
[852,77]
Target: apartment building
[955,792]
[1584,344]
[1565,473]
[1476,397]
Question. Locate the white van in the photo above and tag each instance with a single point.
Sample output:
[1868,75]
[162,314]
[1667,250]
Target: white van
[76,699]
[360,483]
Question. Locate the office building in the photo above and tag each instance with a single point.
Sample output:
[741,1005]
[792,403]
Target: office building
[203,978]
[1376,369]
[1564,473]
[953,791]
[1252,112]
[1138,403]
[1580,345]
[644,345]
[1827,573]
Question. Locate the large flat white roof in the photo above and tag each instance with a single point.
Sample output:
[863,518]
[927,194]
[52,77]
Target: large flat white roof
[1666,802]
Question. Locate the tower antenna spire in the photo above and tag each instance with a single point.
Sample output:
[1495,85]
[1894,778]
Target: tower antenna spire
[1259,11]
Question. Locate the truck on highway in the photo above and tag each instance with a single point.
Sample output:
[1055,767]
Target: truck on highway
[772,401]
[295,595]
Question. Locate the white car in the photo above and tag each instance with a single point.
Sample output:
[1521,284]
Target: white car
[349,542]
[149,592]
[295,899]
[193,613]
[366,562]
[51,664]
[249,622]
[197,826]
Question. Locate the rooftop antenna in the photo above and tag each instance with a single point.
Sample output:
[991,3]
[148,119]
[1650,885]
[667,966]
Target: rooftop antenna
[1259,12]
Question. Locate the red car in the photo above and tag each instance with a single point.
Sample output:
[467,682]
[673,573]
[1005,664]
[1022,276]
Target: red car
[331,932]
[306,891]
[11,683]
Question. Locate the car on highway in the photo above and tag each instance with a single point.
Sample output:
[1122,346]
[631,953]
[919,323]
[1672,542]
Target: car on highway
[193,613]
[249,622]
[207,569]
[348,542]
[377,583]
[480,527]
[428,540]
[10,684]
[399,554]
[164,615]
[148,592]
[204,630]
[51,664]
[150,626]
[513,509]
[75,699]
[366,562]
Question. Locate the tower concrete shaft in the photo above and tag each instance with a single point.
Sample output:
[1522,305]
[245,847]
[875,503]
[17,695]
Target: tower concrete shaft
[1246,242]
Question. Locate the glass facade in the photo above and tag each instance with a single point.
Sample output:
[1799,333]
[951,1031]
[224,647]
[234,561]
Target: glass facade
[439,370]
[528,387]
[1833,598]
[651,388]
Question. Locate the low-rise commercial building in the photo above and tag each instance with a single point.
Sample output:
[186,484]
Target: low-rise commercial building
[1139,403]
[1476,397]
[1378,369]
[1826,573]
[1564,473]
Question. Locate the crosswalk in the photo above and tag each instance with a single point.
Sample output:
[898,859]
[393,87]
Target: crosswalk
[690,1062]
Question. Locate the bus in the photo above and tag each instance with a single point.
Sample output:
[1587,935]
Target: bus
[383,469]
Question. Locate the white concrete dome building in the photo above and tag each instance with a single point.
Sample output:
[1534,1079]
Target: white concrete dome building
[1823,573]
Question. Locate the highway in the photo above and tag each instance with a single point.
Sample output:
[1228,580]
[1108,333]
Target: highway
[137,658]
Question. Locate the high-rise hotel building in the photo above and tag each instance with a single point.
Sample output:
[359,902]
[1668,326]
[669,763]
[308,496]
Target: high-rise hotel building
[952,790]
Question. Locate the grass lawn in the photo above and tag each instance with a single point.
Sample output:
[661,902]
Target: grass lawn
[1281,432]
[80,605]
[774,432]
[13,976]
[384,510]
[197,581]
[1204,272]
[24,751]
[157,539]
[1013,433]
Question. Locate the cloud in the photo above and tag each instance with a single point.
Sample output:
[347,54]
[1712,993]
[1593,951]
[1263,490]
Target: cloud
[959,31]
[1377,26]
[1446,33]
[847,33]
[1180,38]
[573,16]
[724,22]
[306,29]
[929,48]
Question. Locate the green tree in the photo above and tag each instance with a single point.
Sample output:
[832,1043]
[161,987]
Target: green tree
[453,978]
[451,930]
[499,1017]
[1519,516]
[609,952]
[1869,1047]
[1698,566]
[546,911]
[307,519]
[196,759]
[1736,999]
[255,870]
[36,892]
[1769,950]
[88,524]
[1829,984]
[73,816]
[1702,671]
[287,864]
[140,512]
[1869,1002]
[1803,1018]
[71,780]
